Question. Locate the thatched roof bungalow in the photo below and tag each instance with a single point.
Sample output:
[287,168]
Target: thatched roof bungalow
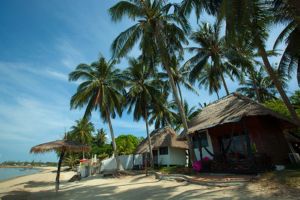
[237,128]
[167,150]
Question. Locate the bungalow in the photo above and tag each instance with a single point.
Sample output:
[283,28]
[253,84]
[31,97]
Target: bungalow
[239,134]
[167,150]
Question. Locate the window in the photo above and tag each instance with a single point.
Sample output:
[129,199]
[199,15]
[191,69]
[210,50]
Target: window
[200,138]
[235,146]
[163,151]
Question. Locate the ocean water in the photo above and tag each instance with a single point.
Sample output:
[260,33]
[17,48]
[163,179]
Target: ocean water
[7,173]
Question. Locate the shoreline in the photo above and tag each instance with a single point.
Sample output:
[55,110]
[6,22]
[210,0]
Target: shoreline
[25,166]
[41,169]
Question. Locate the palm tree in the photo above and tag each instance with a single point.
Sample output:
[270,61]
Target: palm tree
[180,76]
[102,89]
[160,33]
[210,78]
[286,13]
[82,132]
[190,112]
[261,83]
[161,113]
[251,25]
[143,89]
[212,50]
[71,160]
[100,138]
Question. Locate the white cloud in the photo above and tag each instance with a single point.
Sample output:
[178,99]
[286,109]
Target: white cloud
[29,118]
[70,56]
[57,75]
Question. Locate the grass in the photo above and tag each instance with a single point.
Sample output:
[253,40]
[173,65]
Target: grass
[175,170]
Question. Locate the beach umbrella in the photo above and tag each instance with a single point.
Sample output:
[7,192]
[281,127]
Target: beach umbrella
[61,146]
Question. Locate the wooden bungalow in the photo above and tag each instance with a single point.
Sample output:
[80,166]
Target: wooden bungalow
[239,134]
[167,150]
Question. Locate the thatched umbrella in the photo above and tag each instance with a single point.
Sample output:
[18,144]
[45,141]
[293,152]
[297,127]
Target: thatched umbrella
[61,146]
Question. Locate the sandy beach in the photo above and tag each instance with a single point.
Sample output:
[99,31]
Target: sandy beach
[41,186]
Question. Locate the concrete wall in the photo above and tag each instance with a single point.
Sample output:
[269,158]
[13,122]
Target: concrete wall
[163,159]
[108,164]
[138,159]
[177,156]
[204,152]
[127,162]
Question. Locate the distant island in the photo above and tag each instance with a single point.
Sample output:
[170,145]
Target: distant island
[26,164]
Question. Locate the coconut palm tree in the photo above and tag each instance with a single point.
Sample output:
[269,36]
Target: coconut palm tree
[102,89]
[190,112]
[210,78]
[287,13]
[181,77]
[160,33]
[100,138]
[161,113]
[212,51]
[251,25]
[260,82]
[143,90]
[82,132]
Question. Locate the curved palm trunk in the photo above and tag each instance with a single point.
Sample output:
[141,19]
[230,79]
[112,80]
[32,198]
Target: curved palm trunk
[113,139]
[58,170]
[181,111]
[277,84]
[149,141]
[225,85]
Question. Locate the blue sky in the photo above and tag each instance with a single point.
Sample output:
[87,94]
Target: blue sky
[41,42]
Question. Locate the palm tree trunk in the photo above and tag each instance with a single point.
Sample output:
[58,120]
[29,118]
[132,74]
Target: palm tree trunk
[224,83]
[255,87]
[180,94]
[217,94]
[58,170]
[149,141]
[113,139]
[277,84]
[181,111]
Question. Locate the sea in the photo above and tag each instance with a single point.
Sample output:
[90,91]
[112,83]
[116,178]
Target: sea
[8,173]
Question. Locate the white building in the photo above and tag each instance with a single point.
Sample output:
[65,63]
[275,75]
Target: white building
[167,150]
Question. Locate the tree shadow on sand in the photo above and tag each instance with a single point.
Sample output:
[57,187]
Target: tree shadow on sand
[142,189]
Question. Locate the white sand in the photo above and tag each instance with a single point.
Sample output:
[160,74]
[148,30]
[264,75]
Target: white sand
[139,187]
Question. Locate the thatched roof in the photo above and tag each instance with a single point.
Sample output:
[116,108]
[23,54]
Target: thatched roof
[231,108]
[163,137]
[60,145]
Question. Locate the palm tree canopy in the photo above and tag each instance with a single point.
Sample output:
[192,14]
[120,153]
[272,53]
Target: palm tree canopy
[162,114]
[143,88]
[212,51]
[100,138]
[159,31]
[190,112]
[266,89]
[287,13]
[82,131]
[102,88]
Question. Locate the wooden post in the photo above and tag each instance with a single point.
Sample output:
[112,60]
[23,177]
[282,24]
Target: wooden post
[58,170]
[250,154]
